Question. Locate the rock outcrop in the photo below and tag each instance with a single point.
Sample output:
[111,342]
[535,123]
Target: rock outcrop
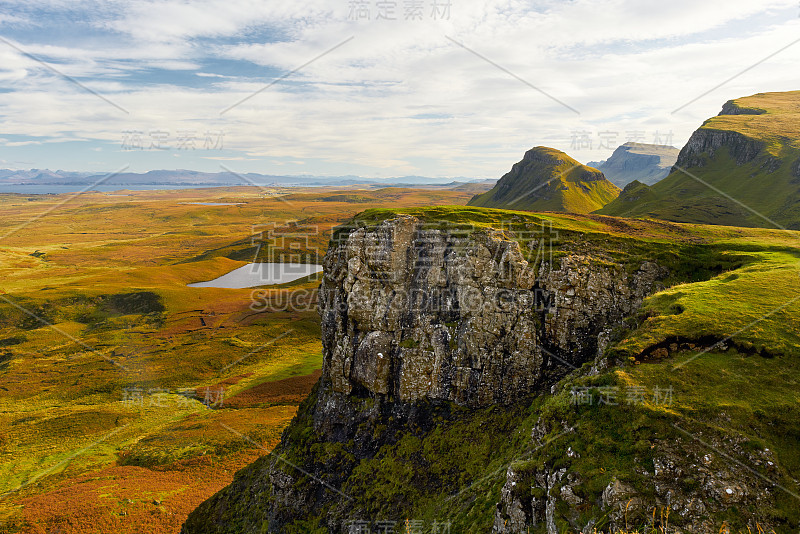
[411,313]
[419,320]
[731,107]
[704,144]
[697,484]
[637,161]
[453,355]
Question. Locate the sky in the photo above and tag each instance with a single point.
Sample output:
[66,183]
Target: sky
[375,88]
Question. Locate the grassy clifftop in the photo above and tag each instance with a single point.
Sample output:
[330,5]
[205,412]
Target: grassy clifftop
[771,117]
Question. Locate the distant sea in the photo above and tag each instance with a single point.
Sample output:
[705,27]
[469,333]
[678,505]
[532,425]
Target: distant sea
[45,189]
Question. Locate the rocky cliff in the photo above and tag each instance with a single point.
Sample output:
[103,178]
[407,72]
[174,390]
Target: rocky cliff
[412,312]
[418,315]
[637,161]
[732,107]
[453,343]
[704,144]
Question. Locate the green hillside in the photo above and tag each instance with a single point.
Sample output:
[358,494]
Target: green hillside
[549,180]
[740,168]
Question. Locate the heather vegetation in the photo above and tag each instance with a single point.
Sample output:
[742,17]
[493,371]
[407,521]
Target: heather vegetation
[127,398]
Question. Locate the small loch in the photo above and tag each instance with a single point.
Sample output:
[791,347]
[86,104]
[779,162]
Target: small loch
[261,274]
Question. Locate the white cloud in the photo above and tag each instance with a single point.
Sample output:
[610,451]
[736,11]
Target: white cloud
[211,75]
[624,65]
[7,19]
[234,158]
[22,143]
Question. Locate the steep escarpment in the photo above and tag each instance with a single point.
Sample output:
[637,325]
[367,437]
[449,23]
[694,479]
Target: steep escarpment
[457,343]
[740,168]
[414,312]
[704,144]
[549,180]
[637,161]
[732,107]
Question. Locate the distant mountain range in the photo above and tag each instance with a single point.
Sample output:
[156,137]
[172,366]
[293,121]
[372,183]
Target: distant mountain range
[205,179]
[637,161]
[31,176]
[547,179]
[740,168]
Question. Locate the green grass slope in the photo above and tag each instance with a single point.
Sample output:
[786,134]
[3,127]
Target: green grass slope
[740,168]
[722,339]
[549,180]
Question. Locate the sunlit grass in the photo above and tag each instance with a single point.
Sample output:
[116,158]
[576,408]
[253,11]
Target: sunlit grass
[64,419]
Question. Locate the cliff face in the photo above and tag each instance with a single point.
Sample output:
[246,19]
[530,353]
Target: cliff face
[457,362]
[412,313]
[638,161]
[731,107]
[704,144]
[418,322]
